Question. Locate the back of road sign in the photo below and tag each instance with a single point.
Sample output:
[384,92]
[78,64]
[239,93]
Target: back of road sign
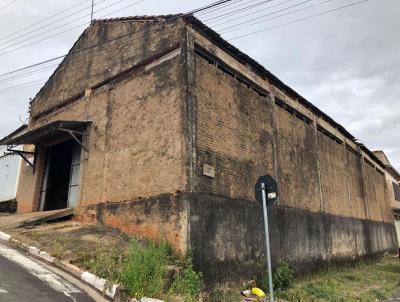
[271,189]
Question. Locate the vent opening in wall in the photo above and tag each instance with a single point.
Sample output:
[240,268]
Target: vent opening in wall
[396,190]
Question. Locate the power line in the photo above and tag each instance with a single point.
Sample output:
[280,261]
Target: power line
[245,15]
[7,5]
[67,30]
[224,6]
[28,74]
[48,24]
[241,9]
[57,27]
[214,4]
[297,20]
[237,26]
[20,89]
[33,65]
[23,84]
[43,20]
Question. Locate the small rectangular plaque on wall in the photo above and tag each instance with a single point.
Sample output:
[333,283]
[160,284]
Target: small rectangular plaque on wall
[209,170]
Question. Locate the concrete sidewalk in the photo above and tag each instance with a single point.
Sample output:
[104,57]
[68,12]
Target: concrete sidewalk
[17,220]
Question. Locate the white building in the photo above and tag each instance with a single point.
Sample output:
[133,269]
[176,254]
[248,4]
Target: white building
[10,165]
[393,188]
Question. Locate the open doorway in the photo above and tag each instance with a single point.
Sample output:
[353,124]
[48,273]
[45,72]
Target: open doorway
[60,183]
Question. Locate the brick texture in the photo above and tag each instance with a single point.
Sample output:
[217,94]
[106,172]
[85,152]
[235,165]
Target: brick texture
[297,162]
[234,133]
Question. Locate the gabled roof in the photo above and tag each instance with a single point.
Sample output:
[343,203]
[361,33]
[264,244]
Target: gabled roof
[144,18]
[383,158]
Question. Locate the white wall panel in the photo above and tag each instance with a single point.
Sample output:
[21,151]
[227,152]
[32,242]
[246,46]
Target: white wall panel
[9,173]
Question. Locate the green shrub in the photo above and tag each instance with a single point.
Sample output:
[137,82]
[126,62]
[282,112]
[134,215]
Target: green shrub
[145,268]
[187,282]
[282,277]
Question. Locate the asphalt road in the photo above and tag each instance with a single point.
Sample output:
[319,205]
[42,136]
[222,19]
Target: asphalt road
[23,279]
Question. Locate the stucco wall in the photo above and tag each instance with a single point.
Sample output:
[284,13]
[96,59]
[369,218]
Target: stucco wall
[129,43]
[136,142]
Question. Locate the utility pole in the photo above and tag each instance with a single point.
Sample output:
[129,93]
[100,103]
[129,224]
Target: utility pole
[91,15]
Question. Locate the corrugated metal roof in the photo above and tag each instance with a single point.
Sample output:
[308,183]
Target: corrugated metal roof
[45,133]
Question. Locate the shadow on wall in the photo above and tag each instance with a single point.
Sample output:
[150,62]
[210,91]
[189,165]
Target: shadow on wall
[227,238]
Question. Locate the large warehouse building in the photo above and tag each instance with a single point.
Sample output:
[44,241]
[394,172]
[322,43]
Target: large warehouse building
[160,128]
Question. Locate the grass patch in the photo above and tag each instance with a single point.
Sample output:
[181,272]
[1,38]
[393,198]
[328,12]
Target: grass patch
[364,283]
[187,283]
[143,270]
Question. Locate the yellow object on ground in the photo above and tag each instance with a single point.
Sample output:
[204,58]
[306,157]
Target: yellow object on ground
[258,292]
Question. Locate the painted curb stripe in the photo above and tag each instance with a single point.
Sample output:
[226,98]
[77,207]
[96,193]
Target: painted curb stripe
[4,236]
[95,281]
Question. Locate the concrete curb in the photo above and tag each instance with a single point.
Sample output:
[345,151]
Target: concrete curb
[113,291]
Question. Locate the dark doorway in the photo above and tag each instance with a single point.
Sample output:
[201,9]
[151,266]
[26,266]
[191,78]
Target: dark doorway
[56,178]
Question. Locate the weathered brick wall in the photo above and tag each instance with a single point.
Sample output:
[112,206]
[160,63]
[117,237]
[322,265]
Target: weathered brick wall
[136,142]
[297,162]
[321,214]
[357,201]
[133,151]
[332,158]
[234,133]
[243,135]
[374,207]
[85,69]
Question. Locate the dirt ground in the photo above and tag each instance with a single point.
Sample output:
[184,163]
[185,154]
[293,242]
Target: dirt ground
[72,241]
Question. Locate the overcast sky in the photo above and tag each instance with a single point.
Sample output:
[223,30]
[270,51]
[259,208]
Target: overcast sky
[346,62]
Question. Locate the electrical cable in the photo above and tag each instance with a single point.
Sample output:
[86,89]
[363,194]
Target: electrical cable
[298,20]
[245,15]
[43,20]
[7,5]
[235,27]
[57,27]
[243,8]
[51,23]
[214,4]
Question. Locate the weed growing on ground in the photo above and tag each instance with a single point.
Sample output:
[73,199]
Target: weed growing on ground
[363,283]
[188,282]
[282,277]
[146,267]
[143,270]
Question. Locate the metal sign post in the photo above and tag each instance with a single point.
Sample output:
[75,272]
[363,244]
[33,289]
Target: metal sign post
[271,288]
[266,193]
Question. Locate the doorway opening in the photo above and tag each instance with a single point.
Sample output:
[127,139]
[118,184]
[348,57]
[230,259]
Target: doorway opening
[60,184]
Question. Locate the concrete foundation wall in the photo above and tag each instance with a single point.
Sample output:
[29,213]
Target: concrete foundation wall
[227,238]
[162,217]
